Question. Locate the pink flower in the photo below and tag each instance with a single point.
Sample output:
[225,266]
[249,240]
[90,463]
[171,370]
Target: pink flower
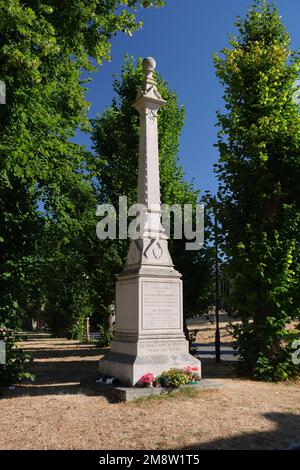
[147,379]
[191,368]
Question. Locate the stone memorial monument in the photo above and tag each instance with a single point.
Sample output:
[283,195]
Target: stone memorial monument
[149,318]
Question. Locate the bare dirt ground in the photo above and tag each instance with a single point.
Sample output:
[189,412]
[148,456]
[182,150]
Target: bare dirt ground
[56,413]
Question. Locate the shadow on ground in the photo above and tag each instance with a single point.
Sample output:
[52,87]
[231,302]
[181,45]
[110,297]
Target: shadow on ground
[63,353]
[285,436]
[221,370]
[60,365]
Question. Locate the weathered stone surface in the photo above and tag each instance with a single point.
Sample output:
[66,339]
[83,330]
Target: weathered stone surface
[119,393]
[149,317]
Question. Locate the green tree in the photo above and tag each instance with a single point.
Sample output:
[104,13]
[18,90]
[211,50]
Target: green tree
[44,48]
[258,171]
[116,139]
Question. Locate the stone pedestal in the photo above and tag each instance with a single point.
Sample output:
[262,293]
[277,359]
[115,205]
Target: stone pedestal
[149,318]
[149,326]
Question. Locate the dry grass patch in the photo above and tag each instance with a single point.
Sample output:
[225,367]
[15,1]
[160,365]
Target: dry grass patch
[55,413]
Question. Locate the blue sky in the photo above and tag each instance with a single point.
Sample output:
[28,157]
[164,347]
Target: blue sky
[182,36]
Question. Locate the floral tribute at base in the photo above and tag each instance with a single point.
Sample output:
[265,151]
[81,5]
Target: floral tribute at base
[172,378]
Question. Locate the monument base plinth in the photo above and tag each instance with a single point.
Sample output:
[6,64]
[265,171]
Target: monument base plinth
[128,369]
[149,325]
[118,393]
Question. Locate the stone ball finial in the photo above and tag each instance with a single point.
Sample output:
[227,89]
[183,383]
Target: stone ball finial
[149,64]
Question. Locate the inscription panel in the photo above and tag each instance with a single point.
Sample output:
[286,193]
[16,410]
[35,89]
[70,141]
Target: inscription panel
[162,348]
[161,305]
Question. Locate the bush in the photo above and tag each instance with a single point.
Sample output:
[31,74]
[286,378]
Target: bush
[16,360]
[76,331]
[192,337]
[266,352]
[106,336]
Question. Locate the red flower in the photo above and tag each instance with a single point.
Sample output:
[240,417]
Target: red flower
[147,379]
[192,369]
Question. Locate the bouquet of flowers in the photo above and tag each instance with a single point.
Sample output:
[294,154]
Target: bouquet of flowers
[146,380]
[192,374]
[173,378]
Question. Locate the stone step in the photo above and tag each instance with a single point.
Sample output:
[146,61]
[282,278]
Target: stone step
[118,393]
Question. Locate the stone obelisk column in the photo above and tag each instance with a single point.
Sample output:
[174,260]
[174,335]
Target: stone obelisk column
[149,319]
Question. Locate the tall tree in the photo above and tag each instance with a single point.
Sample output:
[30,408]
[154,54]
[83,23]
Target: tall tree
[259,171]
[116,140]
[44,47]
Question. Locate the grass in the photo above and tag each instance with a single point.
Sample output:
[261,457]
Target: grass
[170,395]
[55,413]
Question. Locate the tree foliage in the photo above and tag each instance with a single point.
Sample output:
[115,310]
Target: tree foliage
[45,188]
[16,361]
[259,171]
